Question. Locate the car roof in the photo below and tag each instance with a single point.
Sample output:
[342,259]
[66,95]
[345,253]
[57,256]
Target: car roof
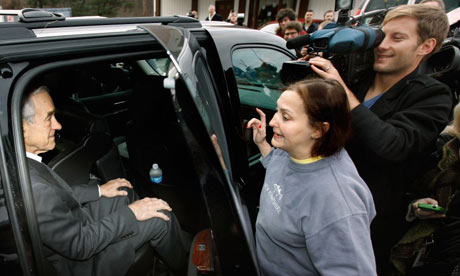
[39,23]
[99,26]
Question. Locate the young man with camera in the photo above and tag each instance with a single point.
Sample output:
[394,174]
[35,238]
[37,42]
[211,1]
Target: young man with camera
[397,114]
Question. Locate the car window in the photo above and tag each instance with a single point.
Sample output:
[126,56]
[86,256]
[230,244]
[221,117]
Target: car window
[379,4]
[451,5]
[159,66]
[257,73]
[207,105]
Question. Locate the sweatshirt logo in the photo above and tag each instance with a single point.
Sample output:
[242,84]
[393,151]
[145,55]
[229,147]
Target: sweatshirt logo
[275,194]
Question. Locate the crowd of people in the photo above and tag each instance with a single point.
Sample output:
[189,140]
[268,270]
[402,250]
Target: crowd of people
[347,170]
[396,115]
[290,28]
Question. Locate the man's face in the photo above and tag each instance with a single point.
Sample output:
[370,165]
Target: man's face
[212,9]
[39,135]
[398,53]
[308,17]
[290,33]
[284,21]
[329,16]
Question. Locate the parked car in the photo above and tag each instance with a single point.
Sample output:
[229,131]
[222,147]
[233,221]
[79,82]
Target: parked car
[130,92]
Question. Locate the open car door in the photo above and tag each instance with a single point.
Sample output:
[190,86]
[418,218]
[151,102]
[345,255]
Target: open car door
[197,109]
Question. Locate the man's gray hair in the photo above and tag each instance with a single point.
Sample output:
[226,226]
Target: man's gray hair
[28,107]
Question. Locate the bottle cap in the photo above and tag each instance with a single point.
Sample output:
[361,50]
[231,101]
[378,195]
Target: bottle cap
[155,166]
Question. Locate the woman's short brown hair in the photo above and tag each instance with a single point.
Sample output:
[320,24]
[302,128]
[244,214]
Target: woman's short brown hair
[326,101]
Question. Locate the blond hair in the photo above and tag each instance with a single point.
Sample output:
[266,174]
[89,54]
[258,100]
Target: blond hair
[453,128]
[432,22]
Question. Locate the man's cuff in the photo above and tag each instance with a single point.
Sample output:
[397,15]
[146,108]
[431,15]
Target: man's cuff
[99,190]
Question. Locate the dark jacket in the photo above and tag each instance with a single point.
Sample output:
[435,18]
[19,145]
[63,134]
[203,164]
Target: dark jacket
[73,241]
[391,145]
[313,27]
[442,253]
[216,17]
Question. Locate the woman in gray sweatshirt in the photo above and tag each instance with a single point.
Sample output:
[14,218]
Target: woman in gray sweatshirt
[315,210]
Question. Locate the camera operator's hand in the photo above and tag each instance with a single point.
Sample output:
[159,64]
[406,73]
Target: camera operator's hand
[326,70]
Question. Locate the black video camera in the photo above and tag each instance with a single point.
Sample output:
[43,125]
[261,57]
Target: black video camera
[347,44]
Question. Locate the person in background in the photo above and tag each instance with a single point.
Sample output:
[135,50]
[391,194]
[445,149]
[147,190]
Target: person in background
[91,229]
[397,114]
[328,17]
[193,14]
[213,16]
[315,210]
[308,25]
[434,238]
[233,18]
[283,16]
[292,29]
[436,3]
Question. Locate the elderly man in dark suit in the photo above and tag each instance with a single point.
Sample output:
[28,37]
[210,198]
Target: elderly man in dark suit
[91,229]
[213,15]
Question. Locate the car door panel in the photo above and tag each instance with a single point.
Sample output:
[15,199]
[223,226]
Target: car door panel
[198,114]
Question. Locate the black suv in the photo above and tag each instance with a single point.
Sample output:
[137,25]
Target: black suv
[131,92]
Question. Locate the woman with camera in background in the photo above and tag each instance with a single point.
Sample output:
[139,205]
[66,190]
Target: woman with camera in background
[315,210]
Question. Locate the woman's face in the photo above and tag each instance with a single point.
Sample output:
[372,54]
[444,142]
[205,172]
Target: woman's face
[292,131]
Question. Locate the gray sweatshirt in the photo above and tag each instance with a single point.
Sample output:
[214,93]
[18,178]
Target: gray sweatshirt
[314,218]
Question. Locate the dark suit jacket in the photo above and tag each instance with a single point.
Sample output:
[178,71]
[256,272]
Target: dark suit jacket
[216,17]
[73,241]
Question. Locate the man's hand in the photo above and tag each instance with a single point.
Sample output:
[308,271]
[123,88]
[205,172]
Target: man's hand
[148,208]
[326,70]
[423,214]
[111,188]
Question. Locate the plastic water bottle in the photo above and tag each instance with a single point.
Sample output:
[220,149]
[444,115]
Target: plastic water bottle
[156,174]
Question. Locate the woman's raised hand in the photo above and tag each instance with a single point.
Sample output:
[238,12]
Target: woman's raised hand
[258,128]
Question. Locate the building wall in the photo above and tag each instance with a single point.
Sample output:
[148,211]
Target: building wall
[175,7]
[203,6]
[319,7]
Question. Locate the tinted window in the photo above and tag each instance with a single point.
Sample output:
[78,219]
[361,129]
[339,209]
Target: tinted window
[451,4]
[379,4]
[207,105]
[257,72]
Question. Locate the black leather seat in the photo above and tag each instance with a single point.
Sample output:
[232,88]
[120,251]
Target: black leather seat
[77,165]
[84,147]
